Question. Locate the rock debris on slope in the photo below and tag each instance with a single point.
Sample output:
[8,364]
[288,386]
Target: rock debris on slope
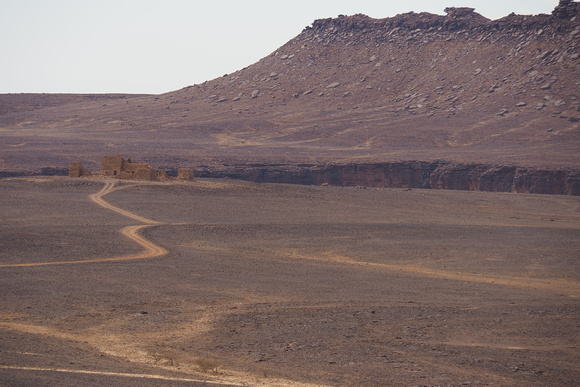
[353,89]
[422,62]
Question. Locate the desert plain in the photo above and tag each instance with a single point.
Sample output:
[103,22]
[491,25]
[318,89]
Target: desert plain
[132,283]
[220,282]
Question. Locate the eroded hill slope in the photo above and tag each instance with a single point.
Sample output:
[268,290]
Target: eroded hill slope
[459,88]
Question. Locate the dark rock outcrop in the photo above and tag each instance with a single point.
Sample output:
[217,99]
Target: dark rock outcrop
[566,9]
[412,174]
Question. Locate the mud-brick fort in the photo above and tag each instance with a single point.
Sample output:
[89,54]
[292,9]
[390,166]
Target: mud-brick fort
[118,168]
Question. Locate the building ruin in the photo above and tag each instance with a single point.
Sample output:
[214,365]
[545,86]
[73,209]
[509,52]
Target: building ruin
[76,169]
[117,167]
[185,174]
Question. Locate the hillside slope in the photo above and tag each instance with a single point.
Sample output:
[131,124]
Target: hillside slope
[459,88]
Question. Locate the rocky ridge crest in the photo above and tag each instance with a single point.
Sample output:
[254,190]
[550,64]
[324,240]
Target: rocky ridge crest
[419,61]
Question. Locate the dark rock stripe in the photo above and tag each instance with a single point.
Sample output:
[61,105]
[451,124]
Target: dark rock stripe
[412,174]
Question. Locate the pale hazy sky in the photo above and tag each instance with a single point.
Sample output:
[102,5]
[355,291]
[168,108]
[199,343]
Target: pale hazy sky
[155,46]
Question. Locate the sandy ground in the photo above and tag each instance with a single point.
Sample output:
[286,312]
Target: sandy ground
[285,285]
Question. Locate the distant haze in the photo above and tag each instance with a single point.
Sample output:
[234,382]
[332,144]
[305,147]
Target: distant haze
[146,46]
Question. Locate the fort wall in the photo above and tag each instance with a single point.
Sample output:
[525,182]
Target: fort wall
[148,174]
[76,169]
[112,165]
[185,174]
[117,167]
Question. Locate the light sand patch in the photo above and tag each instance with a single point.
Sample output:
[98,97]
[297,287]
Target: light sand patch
[570,288]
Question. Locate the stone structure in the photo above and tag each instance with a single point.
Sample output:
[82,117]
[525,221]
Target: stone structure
[112,165]
[116,166]
[185,174]
[119,168]
[162,174]
[76,169]
[148,174]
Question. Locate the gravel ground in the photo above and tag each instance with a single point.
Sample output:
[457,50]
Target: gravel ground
[285,285]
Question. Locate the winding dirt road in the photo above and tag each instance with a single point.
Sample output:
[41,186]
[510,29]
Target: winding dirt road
[112,187]
[151,250]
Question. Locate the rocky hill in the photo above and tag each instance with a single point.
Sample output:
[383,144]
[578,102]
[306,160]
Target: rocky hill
[458,89]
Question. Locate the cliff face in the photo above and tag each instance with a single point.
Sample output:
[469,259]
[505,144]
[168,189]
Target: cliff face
[414,174]
[505,179]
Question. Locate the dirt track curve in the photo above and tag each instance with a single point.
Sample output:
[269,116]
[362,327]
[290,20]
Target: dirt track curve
[151,250]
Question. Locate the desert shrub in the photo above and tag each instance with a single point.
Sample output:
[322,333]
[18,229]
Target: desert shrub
[205,364]
[163,358]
